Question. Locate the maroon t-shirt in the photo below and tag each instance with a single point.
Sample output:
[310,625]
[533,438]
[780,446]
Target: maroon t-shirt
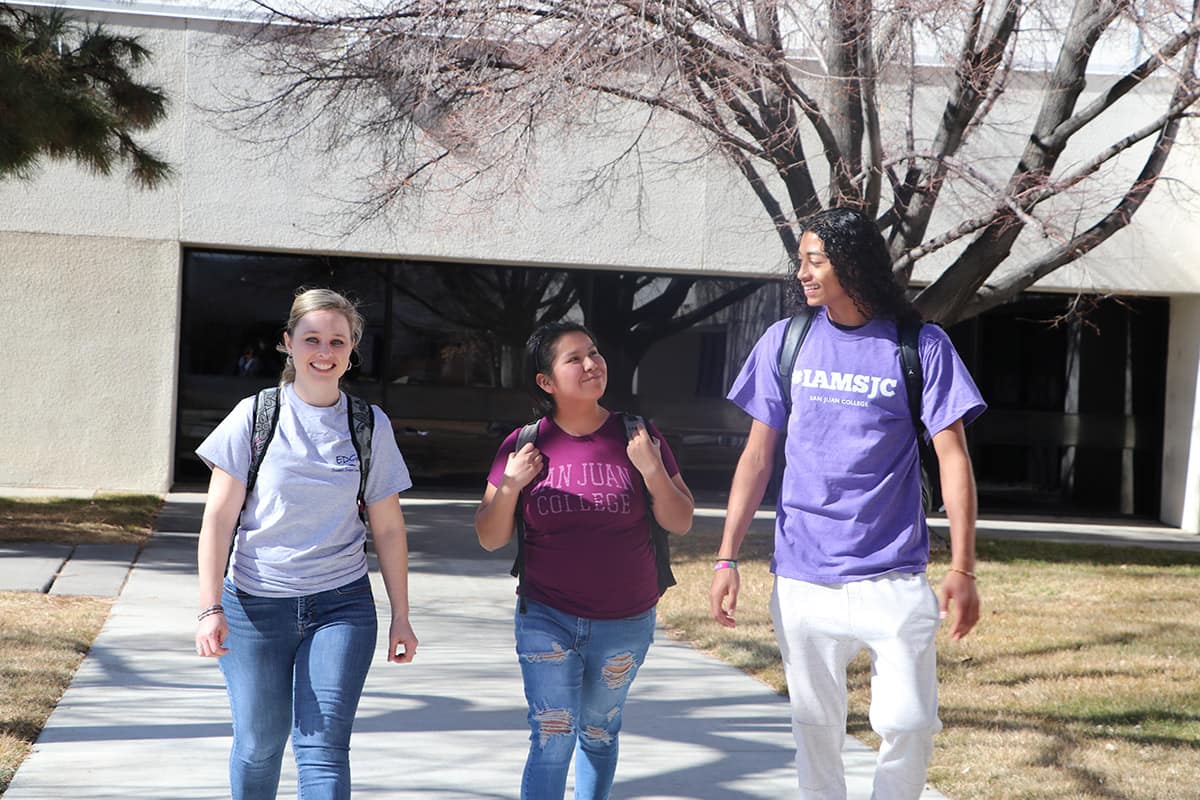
[587,536]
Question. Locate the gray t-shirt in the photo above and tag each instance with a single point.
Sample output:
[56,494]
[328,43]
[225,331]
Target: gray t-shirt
[300,532]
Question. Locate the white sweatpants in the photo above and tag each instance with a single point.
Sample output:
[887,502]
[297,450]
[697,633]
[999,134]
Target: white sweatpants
[820,628]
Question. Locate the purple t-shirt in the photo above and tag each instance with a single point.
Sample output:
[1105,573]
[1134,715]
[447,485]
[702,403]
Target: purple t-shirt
[849,506]
[587,537]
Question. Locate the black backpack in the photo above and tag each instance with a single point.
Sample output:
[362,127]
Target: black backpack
[908,334]
[266,418]
[658,536]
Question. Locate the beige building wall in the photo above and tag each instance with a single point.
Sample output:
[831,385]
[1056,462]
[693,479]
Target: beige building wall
[90,286]
[90,398]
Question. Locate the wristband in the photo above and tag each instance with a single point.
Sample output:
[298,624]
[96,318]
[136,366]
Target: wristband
[725,563]
[970,575]
[208,612]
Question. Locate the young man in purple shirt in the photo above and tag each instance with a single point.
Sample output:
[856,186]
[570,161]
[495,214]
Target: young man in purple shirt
[851,542]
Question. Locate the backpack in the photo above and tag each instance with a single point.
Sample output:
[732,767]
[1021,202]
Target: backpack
[908,334]
[361,420]
[658,536]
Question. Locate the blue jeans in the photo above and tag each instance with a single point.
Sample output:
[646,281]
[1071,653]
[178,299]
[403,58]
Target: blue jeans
[296,665]
[577,675]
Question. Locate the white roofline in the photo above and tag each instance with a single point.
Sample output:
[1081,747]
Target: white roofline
[242,11]
[147,9]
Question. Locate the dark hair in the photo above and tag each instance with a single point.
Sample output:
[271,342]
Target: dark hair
[860,260]
[539,358]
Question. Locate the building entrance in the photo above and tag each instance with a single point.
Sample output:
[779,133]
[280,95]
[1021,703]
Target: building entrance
[1075,400]
[1075,394]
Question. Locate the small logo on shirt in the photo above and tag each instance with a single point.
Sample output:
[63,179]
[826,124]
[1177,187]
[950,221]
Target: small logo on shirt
[346,463]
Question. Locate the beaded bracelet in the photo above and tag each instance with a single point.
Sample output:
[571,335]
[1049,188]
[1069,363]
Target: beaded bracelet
[725,563]
[970,575]
[208,612]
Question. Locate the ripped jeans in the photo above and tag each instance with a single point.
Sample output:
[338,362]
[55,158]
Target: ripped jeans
[577,675]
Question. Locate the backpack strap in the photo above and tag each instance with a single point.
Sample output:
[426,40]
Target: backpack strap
[909,333]
[528,435]
[793,337]
[789,349]
[631,422]
[658,536]
[914,377]
[361,419]
[264,420]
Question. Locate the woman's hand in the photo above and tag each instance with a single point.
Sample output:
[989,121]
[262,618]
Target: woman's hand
[495,517]
[402,642]
[523,466]
[211,633]
[226,495]
[645,452]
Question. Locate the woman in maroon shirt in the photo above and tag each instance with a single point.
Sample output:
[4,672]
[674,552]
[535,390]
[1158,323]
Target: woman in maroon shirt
[587,612]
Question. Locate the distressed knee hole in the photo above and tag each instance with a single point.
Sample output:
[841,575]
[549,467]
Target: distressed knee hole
[554,722]
[556,654]
[618,670]
[598,735]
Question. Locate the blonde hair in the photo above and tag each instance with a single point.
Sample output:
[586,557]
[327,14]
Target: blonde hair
[308,300]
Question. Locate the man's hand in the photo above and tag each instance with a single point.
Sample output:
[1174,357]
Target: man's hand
[959,589]
[725,585]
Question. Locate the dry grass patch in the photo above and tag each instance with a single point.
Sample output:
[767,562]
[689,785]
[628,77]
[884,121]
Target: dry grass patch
[43,638]
[1082,680]
[117,519]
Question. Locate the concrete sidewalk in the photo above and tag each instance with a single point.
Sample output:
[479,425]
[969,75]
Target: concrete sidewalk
[146,718]
[98,570]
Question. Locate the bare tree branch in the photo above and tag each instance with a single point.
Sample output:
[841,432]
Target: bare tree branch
[458,96]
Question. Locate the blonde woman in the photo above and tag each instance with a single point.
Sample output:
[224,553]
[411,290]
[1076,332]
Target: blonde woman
[293,623]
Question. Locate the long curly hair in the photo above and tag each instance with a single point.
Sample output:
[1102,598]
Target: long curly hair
[860,260]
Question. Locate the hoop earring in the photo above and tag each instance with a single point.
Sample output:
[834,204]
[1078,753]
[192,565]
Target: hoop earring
[351,364]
